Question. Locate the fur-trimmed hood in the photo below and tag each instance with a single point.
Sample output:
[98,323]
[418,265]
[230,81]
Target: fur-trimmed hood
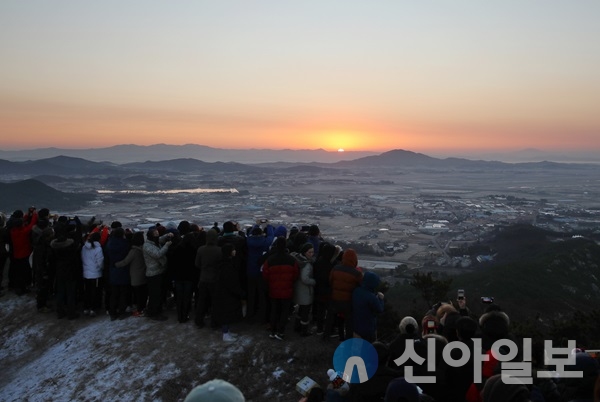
[61,243]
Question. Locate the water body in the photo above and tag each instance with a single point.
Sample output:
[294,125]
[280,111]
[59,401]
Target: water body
[174,191]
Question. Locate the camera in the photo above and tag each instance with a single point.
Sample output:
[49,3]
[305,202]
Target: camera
[487,299]
[430,327]
[461,294]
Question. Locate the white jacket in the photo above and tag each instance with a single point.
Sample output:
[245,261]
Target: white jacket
[92,259]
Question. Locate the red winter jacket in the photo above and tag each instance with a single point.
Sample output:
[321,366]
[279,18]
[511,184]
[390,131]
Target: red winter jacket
[280,272]
[20,238]
[487,370]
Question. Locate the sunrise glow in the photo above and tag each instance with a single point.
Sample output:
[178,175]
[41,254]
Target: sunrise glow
[395,76]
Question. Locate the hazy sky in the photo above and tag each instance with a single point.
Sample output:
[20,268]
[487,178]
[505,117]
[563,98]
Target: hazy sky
[360,75]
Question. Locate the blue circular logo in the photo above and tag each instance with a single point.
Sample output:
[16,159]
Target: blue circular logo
[356,360]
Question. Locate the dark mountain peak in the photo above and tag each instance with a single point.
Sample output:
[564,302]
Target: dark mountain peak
[396,157]
[59,165]
[22,194]
[69,161]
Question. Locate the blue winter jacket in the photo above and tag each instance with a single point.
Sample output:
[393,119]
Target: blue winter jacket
[257,245]
[366,305]
[117,249]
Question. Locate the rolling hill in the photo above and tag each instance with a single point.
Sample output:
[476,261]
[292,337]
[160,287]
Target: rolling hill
[22,194]
[536,275]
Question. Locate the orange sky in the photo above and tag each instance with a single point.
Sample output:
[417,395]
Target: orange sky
[455,77]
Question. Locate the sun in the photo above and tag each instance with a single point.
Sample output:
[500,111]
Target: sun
[340,149]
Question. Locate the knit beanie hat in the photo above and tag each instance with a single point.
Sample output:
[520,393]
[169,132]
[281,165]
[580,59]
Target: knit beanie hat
[215,391]
[408,326]
[280,231]
[495,390]
[349,258]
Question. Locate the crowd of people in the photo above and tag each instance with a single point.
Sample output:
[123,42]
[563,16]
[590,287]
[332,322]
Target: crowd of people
[273,277]
[219,276]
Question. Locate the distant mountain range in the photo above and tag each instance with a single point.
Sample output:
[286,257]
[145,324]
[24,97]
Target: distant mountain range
[137,153]
[396,159]
[161,152]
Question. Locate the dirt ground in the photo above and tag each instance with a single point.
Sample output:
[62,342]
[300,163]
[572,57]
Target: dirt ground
[88,359]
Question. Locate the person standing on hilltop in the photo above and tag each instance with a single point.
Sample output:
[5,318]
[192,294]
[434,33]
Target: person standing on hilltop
[92,258]
[367,302]
[322,267]
[304,287]
[314,238]
[20,227]
[232,234]
[41,235]
[65,260]
[183,260]
[280,272]
[258,244]
[344,278]
[137,273]
[155,249]
[227,307]
[4,242]
[208,260]
[117,249]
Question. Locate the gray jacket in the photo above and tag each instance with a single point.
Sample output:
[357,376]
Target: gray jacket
[305,284]
[154,256]
[137,265]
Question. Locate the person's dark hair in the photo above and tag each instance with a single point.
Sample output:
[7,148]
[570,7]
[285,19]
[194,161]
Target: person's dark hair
[43,213]
[184,228]
[137,239]
[280,244]
[299,240]
[93,238]
[150,233]
[228,227]
[305,247]
[201,237]
[314,230]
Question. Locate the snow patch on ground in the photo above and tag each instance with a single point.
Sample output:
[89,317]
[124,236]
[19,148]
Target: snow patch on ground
[87,354]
